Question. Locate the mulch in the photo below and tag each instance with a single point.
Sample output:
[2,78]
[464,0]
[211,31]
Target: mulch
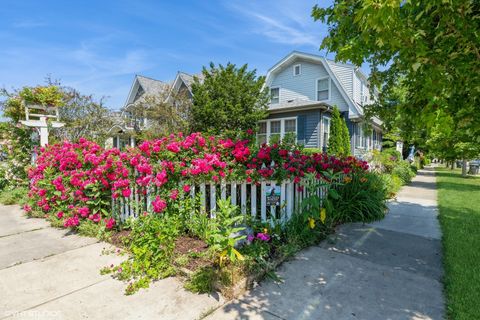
[185,245]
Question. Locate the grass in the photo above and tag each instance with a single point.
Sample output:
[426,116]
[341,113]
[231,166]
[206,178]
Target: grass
[459,205]
[13,196]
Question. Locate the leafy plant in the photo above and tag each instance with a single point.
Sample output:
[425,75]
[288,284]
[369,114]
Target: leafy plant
[226,232]
[362,198]
[151,245]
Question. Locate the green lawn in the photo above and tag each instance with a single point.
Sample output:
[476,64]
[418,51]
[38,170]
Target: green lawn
[459,205]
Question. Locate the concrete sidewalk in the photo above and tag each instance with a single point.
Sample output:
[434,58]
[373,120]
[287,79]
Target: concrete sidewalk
[385,270]
[47,273]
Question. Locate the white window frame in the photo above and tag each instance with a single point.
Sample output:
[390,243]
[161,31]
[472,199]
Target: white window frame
[329,88]
[282,127]
[299,69]
[323,142]
[271,88]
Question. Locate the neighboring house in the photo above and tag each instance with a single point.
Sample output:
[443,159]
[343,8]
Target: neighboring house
[123,132]
[304,88]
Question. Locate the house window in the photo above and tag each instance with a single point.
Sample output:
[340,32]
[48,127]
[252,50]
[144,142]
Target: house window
[274,95]
[297,70]
[323,89]
[326,133]
[262,133]
[275,130]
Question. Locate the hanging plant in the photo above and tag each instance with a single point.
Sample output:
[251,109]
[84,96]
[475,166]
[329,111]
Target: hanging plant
[47,96]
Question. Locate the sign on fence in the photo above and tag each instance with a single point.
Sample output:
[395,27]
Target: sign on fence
[273,195]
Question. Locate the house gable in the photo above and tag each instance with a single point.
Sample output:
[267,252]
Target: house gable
[303,87]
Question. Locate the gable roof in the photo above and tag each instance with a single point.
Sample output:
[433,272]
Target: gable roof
[187,79]
[148,85]
[316,59]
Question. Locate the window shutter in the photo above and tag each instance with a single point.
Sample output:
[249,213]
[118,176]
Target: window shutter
[301,125]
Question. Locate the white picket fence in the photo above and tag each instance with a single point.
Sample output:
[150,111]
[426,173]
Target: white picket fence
[251,199]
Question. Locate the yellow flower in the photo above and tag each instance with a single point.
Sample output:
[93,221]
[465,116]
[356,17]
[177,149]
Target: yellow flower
[311,223]
[265,230]
[347,179]
[363,179]
[323,215]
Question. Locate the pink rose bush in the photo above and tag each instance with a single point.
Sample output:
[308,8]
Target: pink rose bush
[75,182]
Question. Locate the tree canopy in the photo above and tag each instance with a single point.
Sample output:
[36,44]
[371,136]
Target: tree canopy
[424,58]
[167,111]
[229,100]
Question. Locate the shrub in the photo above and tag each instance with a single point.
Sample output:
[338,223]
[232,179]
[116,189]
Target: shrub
[13,196]
[403,171]
[362,198]
[392,184]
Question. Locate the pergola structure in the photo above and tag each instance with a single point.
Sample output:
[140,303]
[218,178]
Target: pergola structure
[37,116]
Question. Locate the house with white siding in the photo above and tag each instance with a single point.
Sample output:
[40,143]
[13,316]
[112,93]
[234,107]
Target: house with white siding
[304,88]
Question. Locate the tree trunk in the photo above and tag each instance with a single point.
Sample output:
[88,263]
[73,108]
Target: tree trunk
[464,168]
[451,165]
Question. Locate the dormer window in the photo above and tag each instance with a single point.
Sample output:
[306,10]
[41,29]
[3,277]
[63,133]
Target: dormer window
[323,89]
[274,95]
[297,70]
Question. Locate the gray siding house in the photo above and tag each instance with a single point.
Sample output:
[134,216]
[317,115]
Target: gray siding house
[304,88]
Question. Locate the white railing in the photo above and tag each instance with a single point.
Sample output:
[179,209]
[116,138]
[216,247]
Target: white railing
[250,197]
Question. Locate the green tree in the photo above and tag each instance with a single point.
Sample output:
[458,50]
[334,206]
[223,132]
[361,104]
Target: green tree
[424,57]
[229,100]
[339,140]
[166,112]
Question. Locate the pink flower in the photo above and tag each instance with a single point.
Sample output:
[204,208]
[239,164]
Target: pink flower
[186,188]
[60,215]
[126,193]
[109,223]
[27,208]
[174,194]
[71,222]
[84,211]
[263,237]
[158,204]
[173,147]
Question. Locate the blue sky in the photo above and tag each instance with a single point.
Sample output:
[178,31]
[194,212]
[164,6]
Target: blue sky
[98,46]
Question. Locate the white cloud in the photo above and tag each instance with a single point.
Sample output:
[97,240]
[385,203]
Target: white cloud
[285,22]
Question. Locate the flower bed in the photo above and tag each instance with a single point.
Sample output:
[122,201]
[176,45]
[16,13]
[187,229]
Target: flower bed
[72,184]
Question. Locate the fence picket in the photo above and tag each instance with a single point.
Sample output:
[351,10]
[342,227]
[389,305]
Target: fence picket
[203,196]
[213,199]
[253,200]
[233,193]
[263,202]
[243,198]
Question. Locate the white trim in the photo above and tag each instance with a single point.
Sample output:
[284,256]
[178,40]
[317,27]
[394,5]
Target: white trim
[299,65]
[271,88]
[282,127]
[310,57]
[329,88]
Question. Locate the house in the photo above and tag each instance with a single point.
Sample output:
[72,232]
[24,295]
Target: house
[126,123]
[304,88]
